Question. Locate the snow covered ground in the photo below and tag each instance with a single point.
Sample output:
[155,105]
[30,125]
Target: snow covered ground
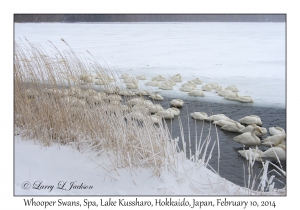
[51,171]
[248,55]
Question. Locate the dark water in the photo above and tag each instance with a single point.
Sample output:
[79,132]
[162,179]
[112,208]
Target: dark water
[231,163]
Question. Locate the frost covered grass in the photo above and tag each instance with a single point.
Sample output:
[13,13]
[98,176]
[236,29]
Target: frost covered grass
[56,104]
[266,183]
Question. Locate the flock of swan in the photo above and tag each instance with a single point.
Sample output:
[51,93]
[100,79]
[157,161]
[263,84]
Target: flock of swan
[249,127]
[250,134]
[137,107]
[191,87]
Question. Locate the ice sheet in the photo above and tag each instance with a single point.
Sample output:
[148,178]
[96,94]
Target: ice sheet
[248,55]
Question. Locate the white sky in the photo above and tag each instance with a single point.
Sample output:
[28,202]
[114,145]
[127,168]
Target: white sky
[8,8]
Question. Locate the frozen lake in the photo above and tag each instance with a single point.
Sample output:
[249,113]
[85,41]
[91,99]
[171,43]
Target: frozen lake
[248,55]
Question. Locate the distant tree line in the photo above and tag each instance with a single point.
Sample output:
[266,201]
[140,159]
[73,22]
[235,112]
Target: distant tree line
[70,18]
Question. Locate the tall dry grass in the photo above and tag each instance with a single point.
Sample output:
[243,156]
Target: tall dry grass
[52,104]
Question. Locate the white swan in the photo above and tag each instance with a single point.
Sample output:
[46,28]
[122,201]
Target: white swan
[189,84]
[155,108]
[135,101]
[233,88]
[274,140]
[87,78]
[174,111]
[141,77]
[176,78]
[187,89]
[219,88]
[152,83]
[232,96]
[249,128]
[197,93]
[166,114]
[245,99]
[275,152]
[155,118]
[232,126]
[101,81]
[140,102]
[206,87]
[111,90]
[165,86]
[147,103]
[91,92]
[248,138]
[124,76]
[217,117]
[130,80]
[132,85]
[213,85]
[156,96]
[159,78]
[197,81]
[223,122]
[170,82]
[224,93]
[126,93]
[105,77]
[94,99]
[276,130]
[143,92]
[283,143]
[253,153]
[177,102]
[135,116]
[252,119]
[141,109]
[199,115]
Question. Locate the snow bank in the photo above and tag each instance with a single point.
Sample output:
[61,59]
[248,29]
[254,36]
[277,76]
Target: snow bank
[63,170]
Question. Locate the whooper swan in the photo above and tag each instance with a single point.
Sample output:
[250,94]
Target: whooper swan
[248,138]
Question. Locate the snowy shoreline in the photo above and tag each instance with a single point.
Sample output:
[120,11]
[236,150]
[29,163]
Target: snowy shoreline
[46,175]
